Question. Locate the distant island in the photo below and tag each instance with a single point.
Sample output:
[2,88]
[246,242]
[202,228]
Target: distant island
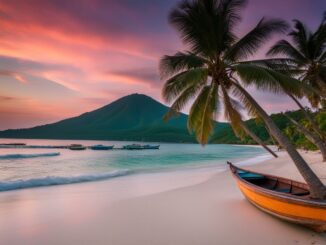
[137,117]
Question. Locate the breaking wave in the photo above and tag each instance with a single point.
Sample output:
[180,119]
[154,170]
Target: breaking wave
[57,180]
[17,156]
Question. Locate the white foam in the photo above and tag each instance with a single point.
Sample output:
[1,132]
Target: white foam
[57,180]
[17,156]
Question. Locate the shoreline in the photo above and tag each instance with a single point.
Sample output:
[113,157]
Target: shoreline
[53,180]
[130,141]
[194,207]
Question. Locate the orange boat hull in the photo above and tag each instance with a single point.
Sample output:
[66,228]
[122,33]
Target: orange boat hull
[305,212]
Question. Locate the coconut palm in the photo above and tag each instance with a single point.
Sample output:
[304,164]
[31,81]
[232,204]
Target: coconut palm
[214,72]
[307,55]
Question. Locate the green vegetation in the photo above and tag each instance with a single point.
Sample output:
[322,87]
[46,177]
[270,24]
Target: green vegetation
[227,136]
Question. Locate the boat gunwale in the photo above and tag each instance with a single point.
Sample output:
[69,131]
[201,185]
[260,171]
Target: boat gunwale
[275,194]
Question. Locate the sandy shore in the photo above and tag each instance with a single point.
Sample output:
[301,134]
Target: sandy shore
[192,207]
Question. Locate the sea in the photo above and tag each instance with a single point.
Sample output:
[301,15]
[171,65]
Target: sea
[28,168]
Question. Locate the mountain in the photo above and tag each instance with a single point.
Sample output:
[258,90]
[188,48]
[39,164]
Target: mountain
[135,117]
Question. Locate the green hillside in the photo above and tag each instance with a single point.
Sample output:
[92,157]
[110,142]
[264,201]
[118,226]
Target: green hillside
[134,117]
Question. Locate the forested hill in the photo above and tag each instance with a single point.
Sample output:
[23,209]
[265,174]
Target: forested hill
[135,117]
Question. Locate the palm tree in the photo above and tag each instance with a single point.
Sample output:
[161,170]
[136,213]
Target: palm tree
[312,137]
[307,57]
[214,71]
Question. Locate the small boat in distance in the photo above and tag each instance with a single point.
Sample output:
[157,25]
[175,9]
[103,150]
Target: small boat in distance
[77,147]
[284,198]
[151,147]
[101,147]
[133,147]
[141,147]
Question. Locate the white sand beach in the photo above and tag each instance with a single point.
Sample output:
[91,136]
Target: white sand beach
[202,206]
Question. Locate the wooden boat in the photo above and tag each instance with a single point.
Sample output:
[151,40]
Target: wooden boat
[284,198]
[77,147]
[151,147]
[101,147]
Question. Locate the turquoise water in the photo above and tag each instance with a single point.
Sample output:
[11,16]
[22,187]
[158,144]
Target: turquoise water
[24,168]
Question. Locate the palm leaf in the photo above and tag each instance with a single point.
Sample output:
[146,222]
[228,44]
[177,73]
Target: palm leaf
[237,92]
[196,23]
[232,114]
[300,37]
[282,65]
[181,61]
[184,97]
[268,80]
[228,17]
[252,41]
[230,11]
[175,85]
[283,47]
[202,113]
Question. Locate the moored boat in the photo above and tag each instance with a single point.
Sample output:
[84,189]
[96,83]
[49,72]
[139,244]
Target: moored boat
[133,147]
[77,147]
[284,198]
[101,147]
[151,147]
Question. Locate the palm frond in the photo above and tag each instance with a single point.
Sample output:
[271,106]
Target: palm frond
[228,17]
[202,113]
[175,85]
[322,58]
[300,36]
[252,41]
[232,114]
[185,96]
[230,11]
[283,47]
[181,61]
[319,38]
[282,65]
[268,80]
[195,21]
[237,92]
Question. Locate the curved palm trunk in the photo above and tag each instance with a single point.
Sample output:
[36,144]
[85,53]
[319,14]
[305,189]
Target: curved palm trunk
[313,123]
[271,136]
[256,138]
[313,138]
[317,188]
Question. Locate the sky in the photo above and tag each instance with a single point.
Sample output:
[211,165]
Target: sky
[61,58]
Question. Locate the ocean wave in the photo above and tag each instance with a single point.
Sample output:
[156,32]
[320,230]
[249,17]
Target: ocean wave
[57,180]
[17,156]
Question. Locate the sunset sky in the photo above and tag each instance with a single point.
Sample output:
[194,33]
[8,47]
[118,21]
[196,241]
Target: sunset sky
[60,58]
